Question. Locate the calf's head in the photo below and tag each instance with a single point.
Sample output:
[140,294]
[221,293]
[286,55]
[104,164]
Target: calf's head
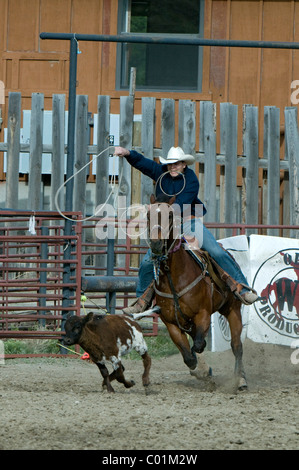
[73,329]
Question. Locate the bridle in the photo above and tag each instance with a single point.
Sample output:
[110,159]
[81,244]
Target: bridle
[165,248]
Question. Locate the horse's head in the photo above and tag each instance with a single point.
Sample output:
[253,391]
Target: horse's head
[163,224]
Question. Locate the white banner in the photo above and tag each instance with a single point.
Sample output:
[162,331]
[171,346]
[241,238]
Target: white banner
[275,276]
[271,266]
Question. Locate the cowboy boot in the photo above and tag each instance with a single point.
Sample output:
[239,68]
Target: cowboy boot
[143,302]
[247,297]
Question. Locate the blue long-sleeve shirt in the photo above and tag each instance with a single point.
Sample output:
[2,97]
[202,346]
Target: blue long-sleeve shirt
[170,185]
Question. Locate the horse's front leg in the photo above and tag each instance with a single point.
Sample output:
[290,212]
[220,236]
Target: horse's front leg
[235,323]
[181,341]
[200,330]
[202,323]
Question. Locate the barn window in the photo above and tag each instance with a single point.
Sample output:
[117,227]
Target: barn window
[161,66]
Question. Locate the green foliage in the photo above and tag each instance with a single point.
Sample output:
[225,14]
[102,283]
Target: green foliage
[30,346]
[161,345]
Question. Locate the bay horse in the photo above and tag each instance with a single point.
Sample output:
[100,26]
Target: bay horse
[187,295]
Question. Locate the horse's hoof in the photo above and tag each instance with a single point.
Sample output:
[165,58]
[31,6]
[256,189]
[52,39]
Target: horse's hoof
[200,373]
[242,386]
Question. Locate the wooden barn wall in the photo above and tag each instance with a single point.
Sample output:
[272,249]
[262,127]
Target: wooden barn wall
[240,76]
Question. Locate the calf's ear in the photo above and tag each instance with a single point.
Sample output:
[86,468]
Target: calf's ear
[88,317]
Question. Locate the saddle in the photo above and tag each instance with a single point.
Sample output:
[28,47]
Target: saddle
[220,277]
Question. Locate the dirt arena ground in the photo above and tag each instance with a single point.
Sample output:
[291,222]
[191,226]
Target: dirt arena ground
[59,404]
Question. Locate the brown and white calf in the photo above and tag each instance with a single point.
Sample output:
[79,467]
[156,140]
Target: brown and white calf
[106,338]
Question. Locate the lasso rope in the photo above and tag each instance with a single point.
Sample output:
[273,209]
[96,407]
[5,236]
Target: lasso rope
[71,350]
[73,176]
[159,180]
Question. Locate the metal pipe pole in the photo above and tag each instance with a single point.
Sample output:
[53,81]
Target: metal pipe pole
[71,123]
[142,39]
[69,173]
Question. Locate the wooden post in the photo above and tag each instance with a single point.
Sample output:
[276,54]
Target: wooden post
[81,154]
[36,149]
[168,125]
[187,127]
[292,143]
[148,142]
[124,182]
[102,165]
[201,167]
[13,151]
[58,159]
[126,140]
[272,147]
[209,140]
[250,144]
[229,143]
[102,162]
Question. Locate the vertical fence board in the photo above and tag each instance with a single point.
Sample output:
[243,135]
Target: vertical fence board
[124,185]
[36,150]
[126,140]
[229,143]
[265,190]
[222,131]
[209,137]
[250,140]
[286,186]
[201,168]
[167,125]
[13,152]
[102,165]
[292,143]
[147,139]
[187,127]
[79,200]
[273,157]
[102,162]
[58,138]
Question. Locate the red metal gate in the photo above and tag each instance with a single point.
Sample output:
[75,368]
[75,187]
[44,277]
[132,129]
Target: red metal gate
[35,290]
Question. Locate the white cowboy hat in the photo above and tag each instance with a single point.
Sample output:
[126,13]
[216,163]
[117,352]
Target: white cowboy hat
[176,154]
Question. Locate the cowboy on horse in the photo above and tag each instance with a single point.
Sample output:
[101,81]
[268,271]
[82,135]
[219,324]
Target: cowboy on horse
[175,178]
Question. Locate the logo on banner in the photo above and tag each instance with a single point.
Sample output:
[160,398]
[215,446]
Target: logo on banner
[276,281]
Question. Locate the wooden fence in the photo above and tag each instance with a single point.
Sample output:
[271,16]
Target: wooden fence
[267,193]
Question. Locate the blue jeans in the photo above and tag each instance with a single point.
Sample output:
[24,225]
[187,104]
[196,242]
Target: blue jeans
[208,243]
